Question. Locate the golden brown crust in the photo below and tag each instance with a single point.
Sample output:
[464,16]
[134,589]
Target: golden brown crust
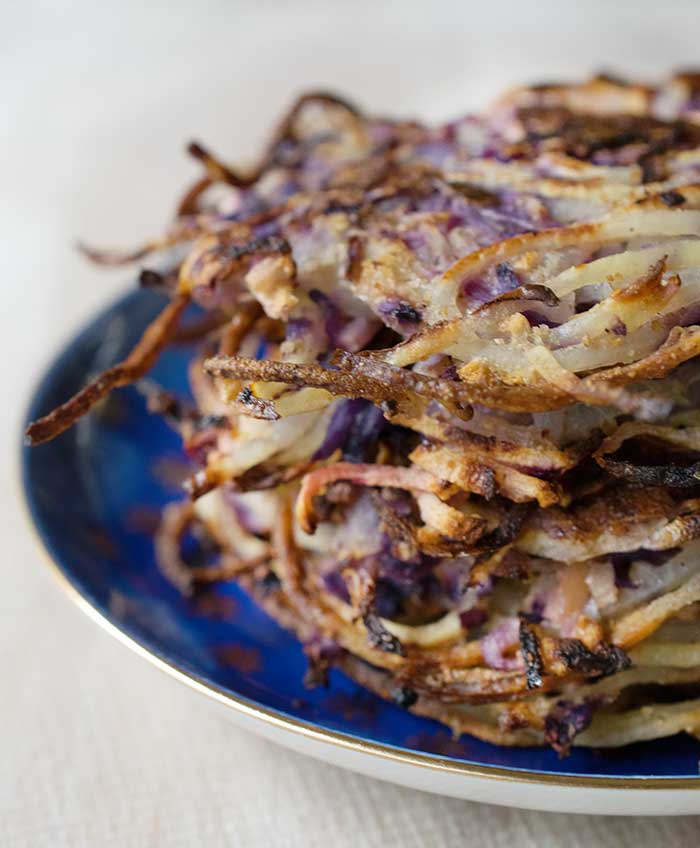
[439,449]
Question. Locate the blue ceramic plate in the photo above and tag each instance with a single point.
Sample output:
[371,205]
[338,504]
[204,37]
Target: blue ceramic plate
[95,494]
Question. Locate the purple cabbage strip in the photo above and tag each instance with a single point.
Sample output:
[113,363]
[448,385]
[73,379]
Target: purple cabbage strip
[354,428]
[536,319]
[472,618]
[334,584]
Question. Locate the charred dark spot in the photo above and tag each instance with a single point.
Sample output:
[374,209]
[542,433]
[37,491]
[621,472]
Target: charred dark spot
[530,649]
[356,254]
[400,312]
[506,531]
[149,279]
[256,406]
[379,637]
[563,724]
[404,697]
[673,476]
[530,617]
[475,194]
[406,312]
[549,474]
[269,583]
[265,244]
[195,149]
[351,209]
[585,135]
[672,198]
[604,661]
[650,461]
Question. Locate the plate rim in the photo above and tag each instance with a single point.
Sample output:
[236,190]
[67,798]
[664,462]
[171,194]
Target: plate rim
[260,712]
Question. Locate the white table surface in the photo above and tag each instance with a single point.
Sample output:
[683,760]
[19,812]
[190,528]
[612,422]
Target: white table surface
[96,748]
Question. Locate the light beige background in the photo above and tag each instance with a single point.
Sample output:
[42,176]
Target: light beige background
[97,101]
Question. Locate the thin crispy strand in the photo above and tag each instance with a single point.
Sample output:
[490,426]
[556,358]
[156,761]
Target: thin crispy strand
[137,363]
